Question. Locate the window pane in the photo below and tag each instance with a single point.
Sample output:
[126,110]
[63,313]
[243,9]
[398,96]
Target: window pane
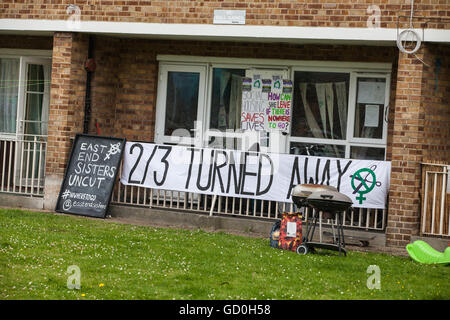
[9,85]
[318,150]
[35,78]
[369,111]
[224,142]
[366,153]
[226,98]
[320,105]
[181,101]
[33,116]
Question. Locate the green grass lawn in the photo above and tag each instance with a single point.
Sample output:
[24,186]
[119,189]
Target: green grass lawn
[120,261]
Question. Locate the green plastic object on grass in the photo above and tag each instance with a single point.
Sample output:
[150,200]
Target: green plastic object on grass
[422,252]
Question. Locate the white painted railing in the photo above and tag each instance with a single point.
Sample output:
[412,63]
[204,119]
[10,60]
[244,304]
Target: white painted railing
[22,164]
[367,219]
[435,217]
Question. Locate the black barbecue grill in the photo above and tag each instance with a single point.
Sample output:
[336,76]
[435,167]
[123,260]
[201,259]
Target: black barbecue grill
[326,199]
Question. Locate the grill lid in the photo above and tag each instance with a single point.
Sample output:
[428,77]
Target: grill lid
[329,200]
[303,191]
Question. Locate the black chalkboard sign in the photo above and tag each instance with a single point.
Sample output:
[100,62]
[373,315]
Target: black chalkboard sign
[90,175]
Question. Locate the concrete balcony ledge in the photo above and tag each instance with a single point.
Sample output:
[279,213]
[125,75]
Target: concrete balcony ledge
[439,244]
[231,224]
[190,220]
[179,31]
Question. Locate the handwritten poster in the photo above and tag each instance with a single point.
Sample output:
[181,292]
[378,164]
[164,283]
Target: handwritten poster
[278,111]
[253,103]
[266,104]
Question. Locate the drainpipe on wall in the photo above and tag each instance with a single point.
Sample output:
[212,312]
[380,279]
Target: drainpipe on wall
[89,66]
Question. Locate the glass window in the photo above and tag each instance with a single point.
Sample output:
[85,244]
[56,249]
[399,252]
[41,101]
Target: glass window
[369,110]
[34,113]
[321,114]
[9,80]
[318,150]
[320,105]
[181,101]
[367,153]
[226,99]
[325,122]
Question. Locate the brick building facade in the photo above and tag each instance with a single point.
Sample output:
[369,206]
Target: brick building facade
[131,41]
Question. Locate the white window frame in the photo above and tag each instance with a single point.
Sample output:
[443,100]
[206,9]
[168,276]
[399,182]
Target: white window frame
[22,146]
[161,99]
[20,103]
[350,140]
[354,69]
[25,62]
[25,57]
[207,118]
[352,108]
[212,132]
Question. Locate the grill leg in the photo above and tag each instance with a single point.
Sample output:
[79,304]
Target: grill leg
[339,233]
[341,240]
[311,230]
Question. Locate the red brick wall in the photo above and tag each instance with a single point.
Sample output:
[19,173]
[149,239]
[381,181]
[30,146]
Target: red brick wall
[66,112]
[105,86]
[67,93]
[330,13]
[403,218]
[391,116]
[136,96]
[125,81]
[421,133]
[26,42]
[124,100]
[436,103]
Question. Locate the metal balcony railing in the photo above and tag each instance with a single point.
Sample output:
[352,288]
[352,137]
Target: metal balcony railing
[22,164]
[359,218]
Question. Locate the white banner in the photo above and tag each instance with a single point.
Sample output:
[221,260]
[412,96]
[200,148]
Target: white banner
[264,176]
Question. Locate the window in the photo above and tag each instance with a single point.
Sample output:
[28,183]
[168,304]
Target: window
[180,104]
[225,110]
[36,115]
[367,153]
[181,101]
[338,109]
[369,110]
[9,91]
[226,99]
[24,108]
[24,96]
[320,105]
[339,114]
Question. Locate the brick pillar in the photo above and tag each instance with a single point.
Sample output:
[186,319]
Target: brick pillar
[66,112]
[436,102]
[407,152]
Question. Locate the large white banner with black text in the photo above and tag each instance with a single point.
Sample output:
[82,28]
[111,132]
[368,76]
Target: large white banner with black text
[265,176]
